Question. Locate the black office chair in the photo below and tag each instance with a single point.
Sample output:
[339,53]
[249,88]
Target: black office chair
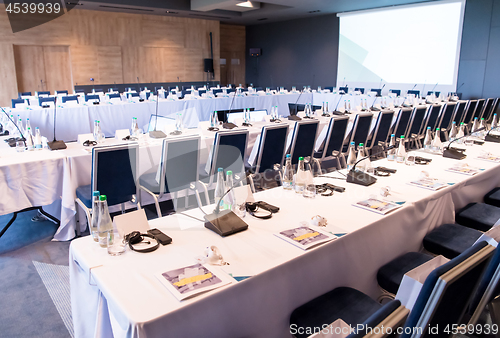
[479,109]
[179,164]
[445,119]
[295,108]
[433,115]
[329,88]
[360,130]
[65,99]
[15,102]
[395,91]
[479,216]
[334,142]
[90,97]
[377,90]
[42,100]
[435,93]
[413,92]
[80,91]
[271,152]
[110,90]
[493,110]
[415,130]
[114,174]
[450,239]
[59,92]
[44,93]
[361,90]
[459,114]
[228,153]
[130,95]
[402,122]
[114,96]
[488,109]
[303,139]
[493,197]
[382,129]
[344,89]
[471,108]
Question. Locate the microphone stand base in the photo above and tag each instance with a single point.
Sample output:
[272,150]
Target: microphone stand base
[325,115]
[361,178]
[492,138]
[294,118]
[213,129]
[176,132]
[56,145]
[225,223]
[157,134]
[456,154]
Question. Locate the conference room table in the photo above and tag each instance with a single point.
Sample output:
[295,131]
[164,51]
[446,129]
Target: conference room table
[120,296]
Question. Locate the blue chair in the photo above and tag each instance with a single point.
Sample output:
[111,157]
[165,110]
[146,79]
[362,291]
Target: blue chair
[334,141]
[91,97]
[110,90]
[395,91]
[381,130]
[493,197]
[80,91]
[488,115]
[179,164]
[402,122]
[114,96]
[129,95]
[435,93]
[360,130]
[361,90]
[488,109]
[450,240]
[159,123]
[58,92]
[216,91]
[376,90]
[23,94]
[41,100]
[44,93]
[258,89]
[295,108]
[479,109]
[344,89]
[352,306]
[415,130]
[228,153]
[201,91]
[479,216]
[433,115]
[413,92]
[271,151]
[459,114]
[114,174]
[69,98]
[303,139]
[15,102]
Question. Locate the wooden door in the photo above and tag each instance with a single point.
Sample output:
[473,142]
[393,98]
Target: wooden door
[57,68]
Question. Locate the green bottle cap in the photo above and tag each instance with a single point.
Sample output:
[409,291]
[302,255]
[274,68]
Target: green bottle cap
[96,193]
[482,118]
[402,136]
[461,123]
[102,198]
[301,159]
[437,129]
[361,144]
[229,172]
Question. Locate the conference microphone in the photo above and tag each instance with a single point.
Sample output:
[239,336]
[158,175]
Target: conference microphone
[157,133]
[56,145]
[225,222]
[492,138]
[361,177]
[343,82]
[229,125]
[380,91]
[414,86]
[456,153]
[423,88]
[294,117]
[372,108]
[380,84]
[433,88]
[12,142]
[336,112]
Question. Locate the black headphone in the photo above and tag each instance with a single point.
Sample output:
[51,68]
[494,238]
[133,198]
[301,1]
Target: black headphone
[135,237]
[252,207]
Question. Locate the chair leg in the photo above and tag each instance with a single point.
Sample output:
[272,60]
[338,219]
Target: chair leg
[87,214]
[252,185]
[157,204]
[205,191]
[175,201]
[123,208]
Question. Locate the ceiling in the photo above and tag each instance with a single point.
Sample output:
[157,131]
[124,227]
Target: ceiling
[227,11]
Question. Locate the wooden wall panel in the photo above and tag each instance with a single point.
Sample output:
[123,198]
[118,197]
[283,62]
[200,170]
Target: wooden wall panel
[30,68]
[232,47]
[57,68]
[8,80]
[114,47]
[84,65]
[110,64]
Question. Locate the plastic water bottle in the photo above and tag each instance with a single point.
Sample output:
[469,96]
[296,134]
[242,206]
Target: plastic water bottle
[391,153]
[349,105]
[428,139]
[135,126]
[475,126]
[482,124]
[494,123]
[288,174]
[351,158]
[437,145]
[20,125]
[401,154]
[300,179]
[104,224]
[178,122]
[29,139]
[361,166]
[38,139]
[229,199]
[28,125]
[453,131]
[95,216]
[461,133]
[220,188]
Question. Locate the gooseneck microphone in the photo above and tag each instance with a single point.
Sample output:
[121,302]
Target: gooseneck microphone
[157,133]
[12,143]
[360,177]
[294,117]
[336,112]
[455,153]
[225,222]
[226,125]
[56,145]
[372,108]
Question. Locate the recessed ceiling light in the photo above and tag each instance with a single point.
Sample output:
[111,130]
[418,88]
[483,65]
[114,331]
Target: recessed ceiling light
[245,4]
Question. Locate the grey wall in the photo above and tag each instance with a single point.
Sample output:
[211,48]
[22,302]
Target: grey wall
[479,66]
[294,53]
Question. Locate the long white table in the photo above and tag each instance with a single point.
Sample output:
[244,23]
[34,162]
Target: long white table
[121,297]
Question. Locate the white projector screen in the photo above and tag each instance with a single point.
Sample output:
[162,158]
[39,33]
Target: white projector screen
[401,47]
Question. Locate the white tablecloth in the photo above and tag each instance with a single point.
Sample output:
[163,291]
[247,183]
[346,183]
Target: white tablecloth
[284,277]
